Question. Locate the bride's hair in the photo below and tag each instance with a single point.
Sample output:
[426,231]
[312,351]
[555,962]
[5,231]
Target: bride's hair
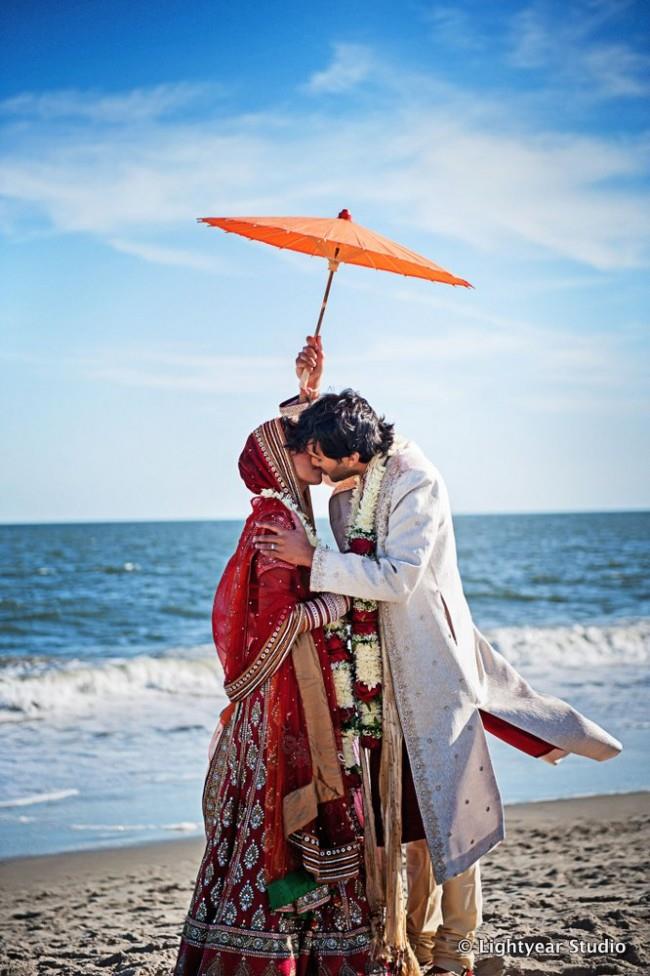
[341,423]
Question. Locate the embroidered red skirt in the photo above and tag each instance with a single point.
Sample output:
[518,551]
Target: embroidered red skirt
[230,929]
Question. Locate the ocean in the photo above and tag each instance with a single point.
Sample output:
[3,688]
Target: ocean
[110,688]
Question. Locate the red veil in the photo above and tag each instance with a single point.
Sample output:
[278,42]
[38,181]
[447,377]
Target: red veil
[256,622]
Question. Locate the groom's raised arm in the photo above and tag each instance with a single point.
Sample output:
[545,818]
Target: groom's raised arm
[412,529]
[309,364]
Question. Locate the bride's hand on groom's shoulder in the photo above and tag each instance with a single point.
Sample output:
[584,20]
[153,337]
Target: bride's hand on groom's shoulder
[311,358]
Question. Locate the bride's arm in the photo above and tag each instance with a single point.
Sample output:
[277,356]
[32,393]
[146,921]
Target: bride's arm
[281,617]
[276,589]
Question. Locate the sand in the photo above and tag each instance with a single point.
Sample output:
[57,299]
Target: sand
[568,869]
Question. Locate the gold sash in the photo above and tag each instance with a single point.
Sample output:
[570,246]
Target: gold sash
[300,807]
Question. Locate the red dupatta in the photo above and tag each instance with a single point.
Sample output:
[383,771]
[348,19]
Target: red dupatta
[255,622]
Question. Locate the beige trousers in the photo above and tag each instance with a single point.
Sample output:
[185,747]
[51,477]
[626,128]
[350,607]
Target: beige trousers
[439,916]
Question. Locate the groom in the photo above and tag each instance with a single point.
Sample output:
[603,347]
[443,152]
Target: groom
[443,684]
[440,916]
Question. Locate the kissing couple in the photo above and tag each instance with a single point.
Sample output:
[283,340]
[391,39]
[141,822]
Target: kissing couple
[350,793]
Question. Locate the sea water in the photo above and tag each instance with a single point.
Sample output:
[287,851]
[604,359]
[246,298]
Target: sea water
[110,687]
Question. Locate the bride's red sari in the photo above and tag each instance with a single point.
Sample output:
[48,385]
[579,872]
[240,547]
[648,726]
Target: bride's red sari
[280,889]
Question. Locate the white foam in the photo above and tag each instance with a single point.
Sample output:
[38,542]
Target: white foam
[576,646]
[37,688]
[175,777]
[26,801]
[186,826]
[43,687]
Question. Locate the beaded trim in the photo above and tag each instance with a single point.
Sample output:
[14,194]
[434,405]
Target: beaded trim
[327,864]
[269,658]
[270,439]
[271,944]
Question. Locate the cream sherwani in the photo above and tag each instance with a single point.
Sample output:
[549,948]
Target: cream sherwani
[441,682]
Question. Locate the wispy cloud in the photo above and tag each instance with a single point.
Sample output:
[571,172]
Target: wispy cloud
[411,161]
[134,106]
[187,370]
[549,373]
[455,26]
[350,65]
[157,254]
[167,367]
[569,43]
[618,70]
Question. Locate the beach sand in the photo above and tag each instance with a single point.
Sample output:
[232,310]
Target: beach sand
[568,869]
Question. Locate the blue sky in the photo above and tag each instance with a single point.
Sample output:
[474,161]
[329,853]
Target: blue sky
[507,142]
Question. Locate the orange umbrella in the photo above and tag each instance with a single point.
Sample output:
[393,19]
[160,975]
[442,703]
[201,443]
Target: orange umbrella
[340,240]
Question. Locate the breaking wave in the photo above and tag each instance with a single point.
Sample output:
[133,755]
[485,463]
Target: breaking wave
[36,687]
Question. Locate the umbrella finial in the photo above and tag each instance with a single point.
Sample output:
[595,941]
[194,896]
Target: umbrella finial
[345,215]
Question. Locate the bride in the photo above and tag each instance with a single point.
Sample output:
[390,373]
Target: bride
[280,889]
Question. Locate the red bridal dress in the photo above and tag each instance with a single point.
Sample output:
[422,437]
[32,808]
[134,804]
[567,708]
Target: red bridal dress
[281,886]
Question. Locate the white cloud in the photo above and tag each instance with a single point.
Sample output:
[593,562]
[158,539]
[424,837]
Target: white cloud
[568,45]
[177,257]
[456,27]
[136,105]
[469,351]
[351,64]
[171,367]
[481,178]
[618,70]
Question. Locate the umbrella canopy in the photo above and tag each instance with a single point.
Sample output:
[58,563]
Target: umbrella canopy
[339,239]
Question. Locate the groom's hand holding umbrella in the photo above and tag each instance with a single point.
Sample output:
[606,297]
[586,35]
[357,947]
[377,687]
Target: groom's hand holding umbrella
[309,367]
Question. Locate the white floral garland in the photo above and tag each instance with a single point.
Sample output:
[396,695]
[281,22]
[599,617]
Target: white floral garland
[365,663]
[343,680]
[348,739]
[289,503]
[343,684]
[365,496]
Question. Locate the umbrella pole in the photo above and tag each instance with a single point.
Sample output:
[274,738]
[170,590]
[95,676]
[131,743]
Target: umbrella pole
[304,379]
[330,278]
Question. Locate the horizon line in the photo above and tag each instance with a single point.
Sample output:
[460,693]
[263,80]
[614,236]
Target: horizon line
[235,518]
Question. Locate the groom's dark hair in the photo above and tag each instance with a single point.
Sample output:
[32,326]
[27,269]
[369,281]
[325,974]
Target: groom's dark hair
[341,423]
